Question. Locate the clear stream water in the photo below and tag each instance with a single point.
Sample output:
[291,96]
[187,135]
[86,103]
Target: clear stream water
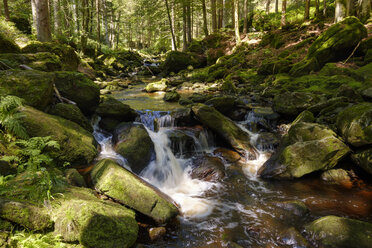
[241,209]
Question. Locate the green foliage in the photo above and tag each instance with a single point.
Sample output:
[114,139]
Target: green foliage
[10,117]
[35,240]
[8,30]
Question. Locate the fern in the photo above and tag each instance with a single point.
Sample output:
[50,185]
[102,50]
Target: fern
[36,240]
[10,117]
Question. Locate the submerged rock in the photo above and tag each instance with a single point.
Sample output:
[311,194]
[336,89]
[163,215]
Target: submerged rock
[308,147]
[35,87]
[77,144]
[127,188]
[25,214]
[134,143]
[209,169]
[333,231]
[355,124]
[80,216]
[77,87]
[226,128]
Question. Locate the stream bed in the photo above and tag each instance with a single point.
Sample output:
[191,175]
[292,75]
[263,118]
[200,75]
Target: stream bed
[240,210]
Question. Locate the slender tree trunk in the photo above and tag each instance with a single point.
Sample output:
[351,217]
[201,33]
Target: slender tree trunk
[245,11]
[184,20]
[220,13]
[363,10]
[233,13]
[118,31]
[236,13]
[174,40]
[224,22]
[324,8]
[214,16]
[98,13]
[205,22]
[106,23]
[317,11]
[6,10]
[57,20]
[41,16]
[77,13]
[307,9]
[283,21]
[276,6]
[268,3]
[174,45]
[189,27]
[340,10]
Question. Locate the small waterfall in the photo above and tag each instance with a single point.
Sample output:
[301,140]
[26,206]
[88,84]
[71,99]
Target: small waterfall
[104,139]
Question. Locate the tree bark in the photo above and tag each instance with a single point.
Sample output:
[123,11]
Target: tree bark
[6,10]
[324,8]
[220,14]
[233,13]
[224,19]
[98,13]
[214,15]
[40,13]
[276,6]
[283,21]
[205,22]
[245,11]
[189,27]
[340,10]
[184,21]
[174,45]
[268,3]
[236,13]
[307,9]
[363,10]
[57,20]
[317,11]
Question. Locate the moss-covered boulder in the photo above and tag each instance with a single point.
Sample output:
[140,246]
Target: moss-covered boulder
[293,103]
[134,143]
[80,216]
[308,147]
[77,144]
[363,158]
[224,104]
[355,124]
[333,231]
[171,96]
[7,45]
[35,87]
[71,112]
[127,188]
[225,128]
[270,67]
[336,176]
[177,61]
[78,88]
[37,61]
[25,214]
[161,85]
[305,116]
[74,178]
[70,60]
[335,44]
[111,108]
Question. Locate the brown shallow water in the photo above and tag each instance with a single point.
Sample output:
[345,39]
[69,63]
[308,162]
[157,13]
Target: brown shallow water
[245,210]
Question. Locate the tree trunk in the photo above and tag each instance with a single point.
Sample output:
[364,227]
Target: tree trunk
[363,10]
[6,10]
[307,9]
[174,45]
[174,41]
[77,17]
[184,20]
[233,13]
[324,8]
[189,27]
[214,15]
[118,31]
[98,13]
[283,21]
[107,38]
[224,19]
[245,11]
[276,6]
[205,22]
[340,10]
[236,13]
[220,13]
[57,20]
[40,14]
[317,12]
[268,3]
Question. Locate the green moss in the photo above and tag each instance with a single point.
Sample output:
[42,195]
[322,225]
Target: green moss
[196,46]
[305,116]
[331,69]
[228,86]
[80,216]
[127,188]
[111,108]
[7,45]
[223,104]
[78,88]
[70,60]
[161,85]
[269,67]
[177,61]
[135,145]
[293,103]
[77,144]
[34,86]
[37,61]
[25,214]
[72,113]
[171,96]
[333,231]
[363,158]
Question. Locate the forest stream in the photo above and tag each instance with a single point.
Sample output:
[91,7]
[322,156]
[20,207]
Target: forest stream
[240,208]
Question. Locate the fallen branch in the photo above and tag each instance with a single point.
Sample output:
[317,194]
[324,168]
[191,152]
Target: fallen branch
[351,55]
[1,62]
[61,98]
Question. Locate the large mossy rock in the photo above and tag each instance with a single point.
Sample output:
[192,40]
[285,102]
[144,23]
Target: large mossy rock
[337,232]
[70,60]
[177,61]
[35,87]
[25,214]
[134,143]
[293,103]
[77,144]
[7,45]
[308,147]
[161,85]
[355,124]
[77,87]
[226,128]
[363,158]
[127,188]
[37,61]
[73,113]
[335,44]
[223,104]
[80,216]
[111,108]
